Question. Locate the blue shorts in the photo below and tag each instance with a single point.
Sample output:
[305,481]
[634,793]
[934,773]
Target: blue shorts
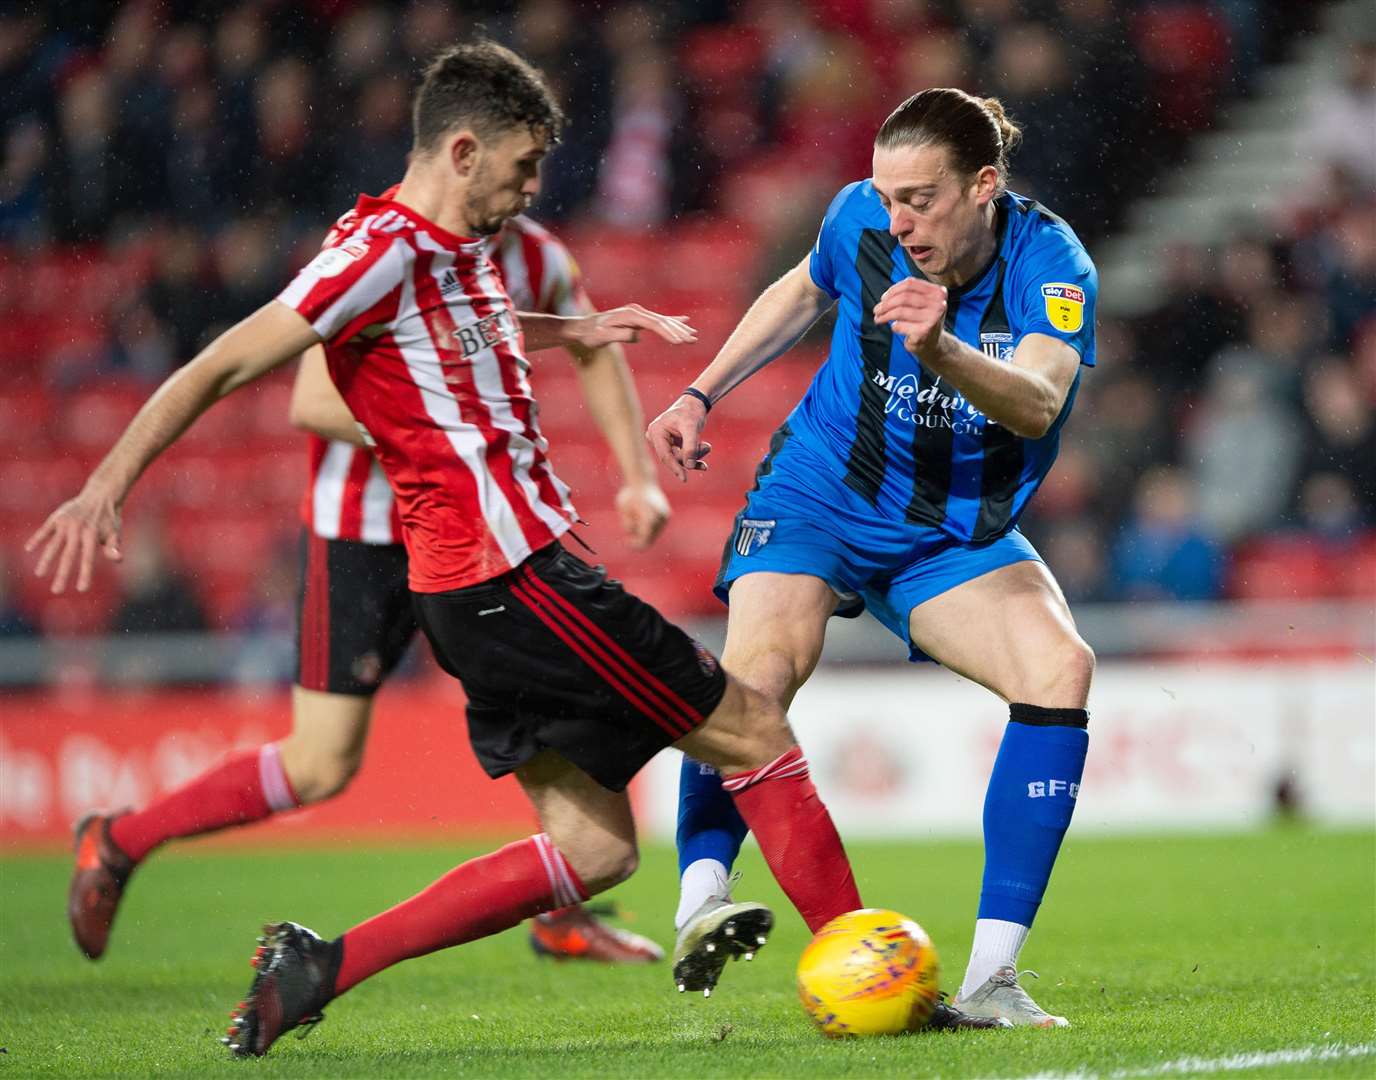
[800,518]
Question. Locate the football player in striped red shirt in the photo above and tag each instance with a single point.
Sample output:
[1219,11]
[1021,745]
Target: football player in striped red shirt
[355,621]
[573,684]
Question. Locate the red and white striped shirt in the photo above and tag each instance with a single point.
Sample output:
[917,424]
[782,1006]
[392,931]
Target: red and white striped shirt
[423,344]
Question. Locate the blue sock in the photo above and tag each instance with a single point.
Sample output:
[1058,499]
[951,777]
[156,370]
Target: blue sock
[709,825]
[1032,793]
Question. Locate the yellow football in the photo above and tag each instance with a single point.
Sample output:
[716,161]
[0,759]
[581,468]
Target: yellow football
[869,972]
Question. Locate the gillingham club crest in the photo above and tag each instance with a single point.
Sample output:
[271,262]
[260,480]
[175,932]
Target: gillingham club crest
[997,346]
[753,534]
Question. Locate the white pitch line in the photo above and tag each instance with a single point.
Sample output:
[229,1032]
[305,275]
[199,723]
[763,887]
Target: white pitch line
[1257,1059]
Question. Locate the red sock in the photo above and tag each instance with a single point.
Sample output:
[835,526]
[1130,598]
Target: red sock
[481,897]
[797,837]
[245,788]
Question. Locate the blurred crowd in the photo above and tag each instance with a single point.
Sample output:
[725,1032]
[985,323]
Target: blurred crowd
[1227,441]
[199,149]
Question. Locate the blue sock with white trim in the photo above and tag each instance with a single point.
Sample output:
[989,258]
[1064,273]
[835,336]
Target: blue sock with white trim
[1027,809]
[710,833]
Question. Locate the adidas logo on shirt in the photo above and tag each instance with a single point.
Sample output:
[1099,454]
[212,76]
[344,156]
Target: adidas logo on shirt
[449,282]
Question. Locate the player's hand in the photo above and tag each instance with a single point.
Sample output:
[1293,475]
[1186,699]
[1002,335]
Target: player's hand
[625,323]
[70,536]
[915,310]
[644,512]
[676,437]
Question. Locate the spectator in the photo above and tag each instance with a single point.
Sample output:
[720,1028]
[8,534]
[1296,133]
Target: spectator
[1191,323]
[86,178]
[1349,270]
[14,619]
[266,621]
[1341,116]
[179,292]
[1163,551]
[157,598]
[635,185]
[198,179]
[23,201]
[245,269]
[1328,509]
[1282,330]
[372,153]
[1075,552]
[194,153]
[1244,453]
[1034,80]
[1342,438]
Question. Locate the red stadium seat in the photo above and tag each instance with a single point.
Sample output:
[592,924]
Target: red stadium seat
[1282,568]
[722,59]
[93,419]
[1359,569]
[25,418]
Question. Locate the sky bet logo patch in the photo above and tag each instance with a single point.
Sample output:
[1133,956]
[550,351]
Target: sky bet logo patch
[1065,306]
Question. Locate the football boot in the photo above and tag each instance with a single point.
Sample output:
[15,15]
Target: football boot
[1001,995]
[293,981]
[720,929]
[98,882]
[576,933]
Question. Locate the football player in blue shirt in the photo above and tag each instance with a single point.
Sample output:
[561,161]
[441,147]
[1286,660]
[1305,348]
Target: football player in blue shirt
[965,314]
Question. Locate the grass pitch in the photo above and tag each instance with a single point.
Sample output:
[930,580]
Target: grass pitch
[1179,956]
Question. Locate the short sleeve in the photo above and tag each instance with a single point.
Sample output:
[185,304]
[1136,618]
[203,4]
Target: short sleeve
[350,286]
[1056,291]
[562,292]
[822,264]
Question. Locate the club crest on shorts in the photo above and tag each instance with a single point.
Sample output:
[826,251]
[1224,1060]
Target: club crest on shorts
[752,534]
[707,663]
[997,346]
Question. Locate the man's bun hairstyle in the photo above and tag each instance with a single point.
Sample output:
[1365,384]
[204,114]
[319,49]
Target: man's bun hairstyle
[976,131]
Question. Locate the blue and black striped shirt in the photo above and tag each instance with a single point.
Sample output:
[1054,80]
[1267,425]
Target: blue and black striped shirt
[907,441]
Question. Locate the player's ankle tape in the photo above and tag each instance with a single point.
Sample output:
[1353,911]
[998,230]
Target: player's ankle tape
[1040,717]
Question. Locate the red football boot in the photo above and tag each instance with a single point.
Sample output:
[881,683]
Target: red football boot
[98,881]
[575,933]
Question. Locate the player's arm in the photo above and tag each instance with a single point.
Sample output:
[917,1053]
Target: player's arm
[774,323]
[316,405]
[268,338]
[1025,395]
[601,328]
[610,393]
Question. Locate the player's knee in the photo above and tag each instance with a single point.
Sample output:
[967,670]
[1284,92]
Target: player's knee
[1077,662]
[323,774]
[1064,675]
[606,865]
[761,729]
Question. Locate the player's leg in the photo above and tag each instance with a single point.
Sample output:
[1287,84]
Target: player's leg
[558,660]
[1011,631]
[354,624]
[748,740]
[773,641]
[588,845]
[312,763]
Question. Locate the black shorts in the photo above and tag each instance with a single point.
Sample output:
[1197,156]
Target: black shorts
[555,655]
[354,616]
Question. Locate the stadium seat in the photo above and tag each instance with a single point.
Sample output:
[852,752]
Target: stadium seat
[1359,569]
[1282,568]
